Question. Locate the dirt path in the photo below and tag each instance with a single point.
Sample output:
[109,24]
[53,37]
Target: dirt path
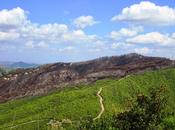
[101,104]
[124,77]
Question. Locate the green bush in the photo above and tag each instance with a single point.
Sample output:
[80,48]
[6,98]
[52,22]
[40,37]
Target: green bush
[169,123]
[147,113]
[104,123]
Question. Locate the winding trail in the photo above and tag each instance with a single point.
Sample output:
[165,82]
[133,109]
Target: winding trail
[101,104]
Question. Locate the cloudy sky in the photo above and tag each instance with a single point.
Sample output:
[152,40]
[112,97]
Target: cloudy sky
[44,31]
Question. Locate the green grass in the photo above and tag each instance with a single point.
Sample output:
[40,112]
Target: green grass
[76,102]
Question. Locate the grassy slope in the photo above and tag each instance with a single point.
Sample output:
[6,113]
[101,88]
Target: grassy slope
[74,103]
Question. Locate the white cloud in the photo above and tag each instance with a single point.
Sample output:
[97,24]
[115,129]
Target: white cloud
[14,24]
[12,18]
[121,46]
[115,45]
[42,45]
[78,36]
[152,38]
[125,32]
[143,50]
[45,32]
[147,13]
[7,36]
[66,49]
[29,44]
[97,46]
[173,35]
[84,21]
[32,44]
[52,36]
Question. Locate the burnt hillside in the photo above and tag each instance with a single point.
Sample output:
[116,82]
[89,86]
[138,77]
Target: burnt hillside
[41,80]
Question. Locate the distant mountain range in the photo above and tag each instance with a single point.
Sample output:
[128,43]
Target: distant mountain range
[15,65]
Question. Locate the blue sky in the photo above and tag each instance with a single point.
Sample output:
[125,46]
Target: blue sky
[74,30]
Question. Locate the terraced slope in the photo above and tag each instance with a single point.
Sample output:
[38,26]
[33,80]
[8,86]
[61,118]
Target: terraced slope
[34,113]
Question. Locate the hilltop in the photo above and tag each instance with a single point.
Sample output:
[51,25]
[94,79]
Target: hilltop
[46,78]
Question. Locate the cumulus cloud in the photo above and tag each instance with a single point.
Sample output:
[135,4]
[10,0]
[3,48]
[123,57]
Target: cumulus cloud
[78,36]
[17,30]
[143,50]
[121,45]
[125,32]
[147,13]
[97,46]
[84,21]
[12,18]
[47,32]
[152,38]
[14,25]
[7,36]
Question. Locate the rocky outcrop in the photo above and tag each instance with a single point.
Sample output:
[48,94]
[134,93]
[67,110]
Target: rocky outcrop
[43,79]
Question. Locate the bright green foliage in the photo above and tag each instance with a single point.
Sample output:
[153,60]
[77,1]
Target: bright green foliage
[169,123]
[104,123]
[147,112]
[80,101]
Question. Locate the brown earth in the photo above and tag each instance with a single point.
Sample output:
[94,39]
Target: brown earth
[46,78]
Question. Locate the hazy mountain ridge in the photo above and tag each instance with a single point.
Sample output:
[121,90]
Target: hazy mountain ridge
[14,65]
[41,80]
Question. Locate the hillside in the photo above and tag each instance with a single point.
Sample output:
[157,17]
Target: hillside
[46,78]
[2,71]
[78,101]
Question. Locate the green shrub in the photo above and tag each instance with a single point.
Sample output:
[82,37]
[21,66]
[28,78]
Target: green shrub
[147,113]
[169,123]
